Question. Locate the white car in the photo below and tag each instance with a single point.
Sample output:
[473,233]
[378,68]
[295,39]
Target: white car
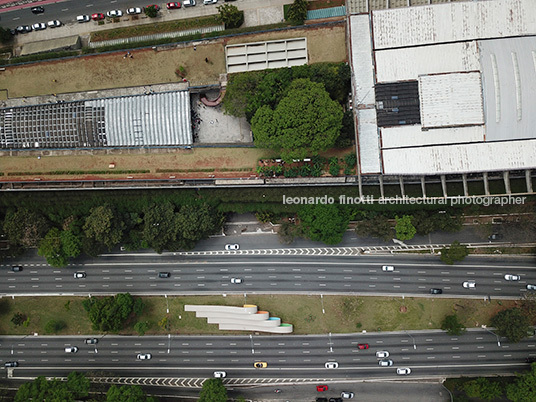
[385,363]
[39,26]
[71,349]
[469,284]
[83,18]
[347,395]
[388,268]
[210,2]
[232,247]
[144,356]
[54,24]
[114,13]
[220,374]
[509,277]
[188,3]
[531,287]
[382,354]
[403,371]
[331,365]
[79,275]
[236,281]
[134,11]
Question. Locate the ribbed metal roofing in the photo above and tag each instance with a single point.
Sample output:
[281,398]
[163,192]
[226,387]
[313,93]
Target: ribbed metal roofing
[326,13]
[147,120]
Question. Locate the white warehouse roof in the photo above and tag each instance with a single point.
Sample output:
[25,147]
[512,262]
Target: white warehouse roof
[453,22]
[410,136]
[451,100]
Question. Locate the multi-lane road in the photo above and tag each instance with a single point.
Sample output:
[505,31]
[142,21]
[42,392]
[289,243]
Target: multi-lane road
[300,358]
[270,271]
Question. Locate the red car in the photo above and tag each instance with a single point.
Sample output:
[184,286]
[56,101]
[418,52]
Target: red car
[362,346]
[321,388]
[172,6]
[97,16]
[155,7]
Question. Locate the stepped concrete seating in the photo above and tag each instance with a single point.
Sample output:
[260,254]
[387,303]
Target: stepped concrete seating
[246,318]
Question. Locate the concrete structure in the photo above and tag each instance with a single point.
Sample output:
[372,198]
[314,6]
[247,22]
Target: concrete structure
[246,318]
[51,45]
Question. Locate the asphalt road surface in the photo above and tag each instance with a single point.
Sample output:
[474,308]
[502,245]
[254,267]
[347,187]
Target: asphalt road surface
[270,271]
[300,358]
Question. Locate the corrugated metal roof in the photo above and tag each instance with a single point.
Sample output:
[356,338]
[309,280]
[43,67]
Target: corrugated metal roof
[368,137]
[147,120]
[456,21]
[326,13]
[451,100]
[509,87]
[410,136]
[397,103]
[409,63]
[361,58]
[479,157]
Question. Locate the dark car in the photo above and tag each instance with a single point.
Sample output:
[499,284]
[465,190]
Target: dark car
[11,364]
[91,341]
[495,236]
[24,29]
[164,274]
[335,400]
[16,268]
[37,10]
[530,359]
[436,291]
[321,399]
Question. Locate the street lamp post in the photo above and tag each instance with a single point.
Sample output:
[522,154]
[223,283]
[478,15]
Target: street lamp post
[412,338]
[493,333]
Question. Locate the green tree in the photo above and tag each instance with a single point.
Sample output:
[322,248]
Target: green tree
[305,122]
[54,326]
[109,313]
[160,226]
[151,11]
[128,393]
[297,12]
[241,88]
[25,227]
[104,225]
[141,327]
[524,388]
[5,35]
[482,388]
[71,244]
[213,391]
[325,223]
[41,389]
[456,252]
[230,16]
[452,325]
[511,323]
[78,384]
[376,226]
[404,228]
[139,306]
[528,306]
[51,248]
[18,319]
[196,222]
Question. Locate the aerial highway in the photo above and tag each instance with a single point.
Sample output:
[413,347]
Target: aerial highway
[302,358]
[270,271]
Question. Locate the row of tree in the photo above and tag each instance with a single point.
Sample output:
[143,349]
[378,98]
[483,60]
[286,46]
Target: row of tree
[159,226]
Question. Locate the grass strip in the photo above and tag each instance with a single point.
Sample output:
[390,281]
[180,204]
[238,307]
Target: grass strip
[77,172]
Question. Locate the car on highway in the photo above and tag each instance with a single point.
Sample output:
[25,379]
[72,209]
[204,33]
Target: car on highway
[436,291]
[382,354]
[362,346]
[335,399]
[79,275]
[347,395]
[321,388]
[495,236]
[37,10]
[173,6]
[232,247]
[220,374]
[205,2]
[530,359]
[22,29]
[39,26]
[83,18]
[236,281]
[188,3]
[97,16]
[134,10]
[144,356]
[469,284]
[388,268]
[510,277]
[531,287]
[114,14]
[403,371]
[91,341]
[54,24]
[16,268]
[71,349]
[164,274]
[385,362]
[11,364]
[260,364]
[331,365]
[321,399]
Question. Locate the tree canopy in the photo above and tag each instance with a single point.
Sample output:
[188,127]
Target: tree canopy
[41,389]
[230,16]
[25,227]
[404,228]
[305,122]
[323,222]
[524,388]
[213,391]
[297,12]
[104,226]
[456,252]
[109,313]
[376,226]
[452,325]
[58,246]
[512,324]
[482,388]
[130,393]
